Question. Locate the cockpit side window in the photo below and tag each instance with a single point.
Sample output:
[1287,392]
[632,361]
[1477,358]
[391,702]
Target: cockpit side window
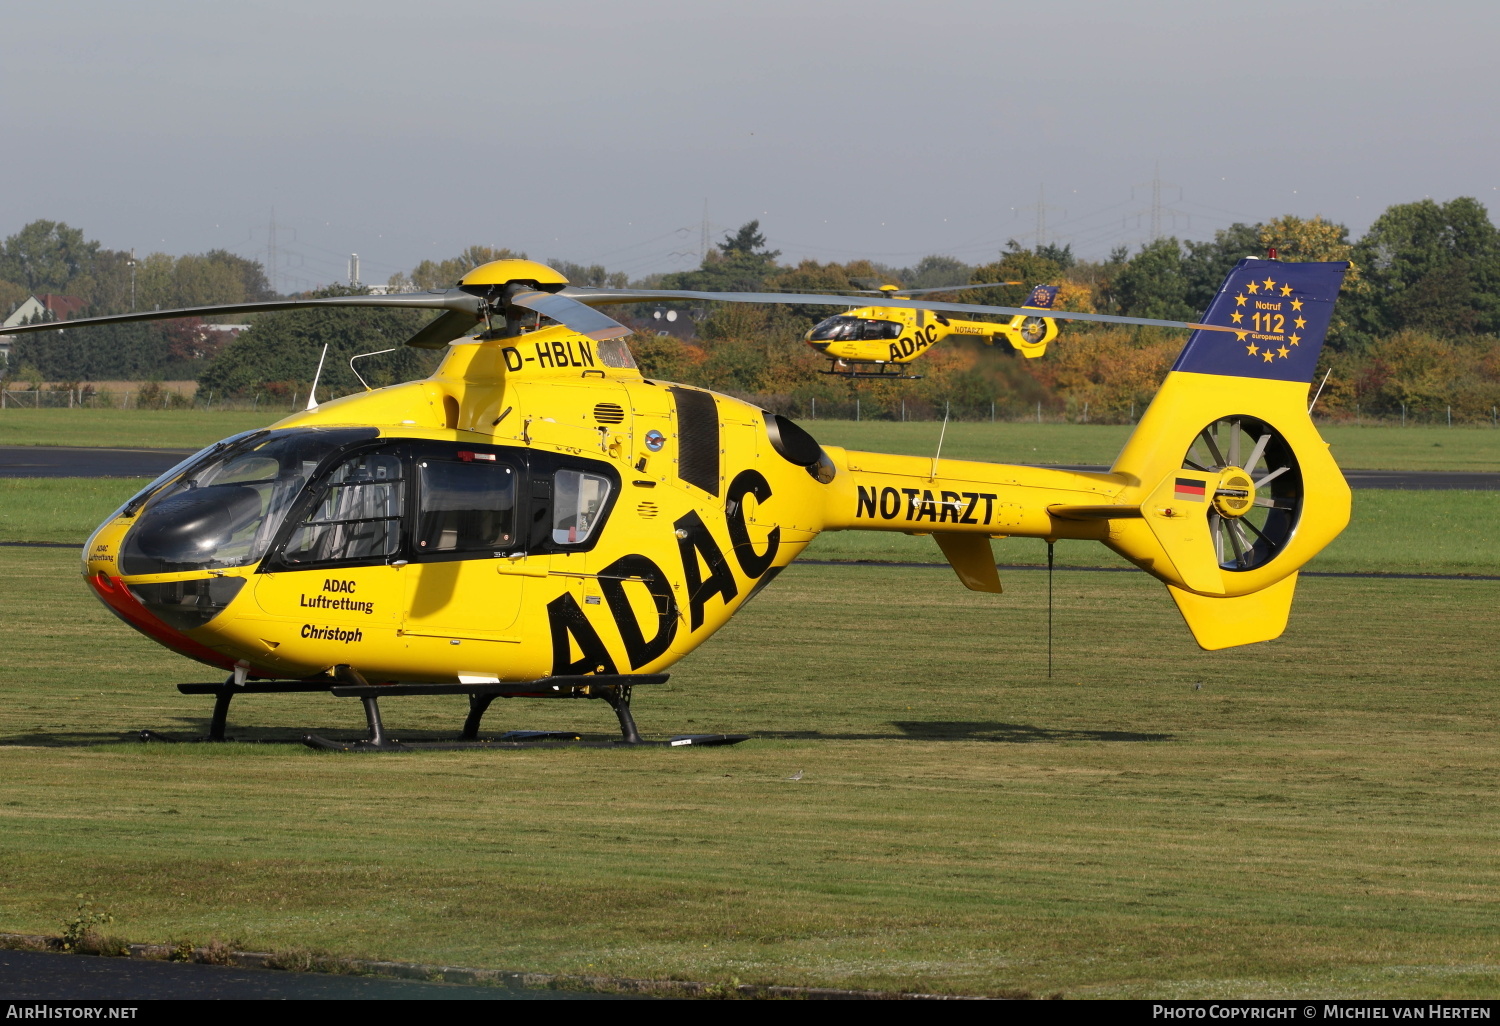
[223,507]
[578,503]
[845,328]
[357,516]
[834,329]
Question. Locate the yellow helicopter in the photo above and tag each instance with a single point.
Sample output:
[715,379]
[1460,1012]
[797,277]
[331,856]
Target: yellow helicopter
[879,341]
[538,519]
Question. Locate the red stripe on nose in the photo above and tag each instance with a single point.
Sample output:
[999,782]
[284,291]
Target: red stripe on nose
[113,593]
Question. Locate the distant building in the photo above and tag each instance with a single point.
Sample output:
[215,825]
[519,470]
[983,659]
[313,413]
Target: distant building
[675,323]
[44,307]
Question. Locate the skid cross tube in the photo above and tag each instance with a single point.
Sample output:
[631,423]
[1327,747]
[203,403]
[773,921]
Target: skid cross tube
[347,682]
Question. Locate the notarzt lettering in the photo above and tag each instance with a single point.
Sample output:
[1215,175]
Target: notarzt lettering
[921,504]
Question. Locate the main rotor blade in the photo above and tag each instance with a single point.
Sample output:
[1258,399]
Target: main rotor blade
[945,288]
[446,299]
[451,325]
[566,310]
[600,297]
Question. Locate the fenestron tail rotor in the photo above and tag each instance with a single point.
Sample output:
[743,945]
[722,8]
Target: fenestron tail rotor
[1258,496]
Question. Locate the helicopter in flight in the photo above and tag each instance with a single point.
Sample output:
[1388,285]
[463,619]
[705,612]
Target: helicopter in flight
[880,341]
[538,519]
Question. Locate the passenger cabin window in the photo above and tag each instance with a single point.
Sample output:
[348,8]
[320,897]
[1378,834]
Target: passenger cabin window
[577,502]
[466,507]
[358,515]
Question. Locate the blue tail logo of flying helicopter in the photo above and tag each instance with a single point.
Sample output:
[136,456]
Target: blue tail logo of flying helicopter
[1043,296]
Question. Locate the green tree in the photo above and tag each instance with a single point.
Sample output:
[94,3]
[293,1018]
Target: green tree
[45,256]
[444,274]
[1207,263]
[11,296]
[154,287]
[1153,283]
[284,347]
[203,281]
[595,276]
[934,271]
[1062,256]
[1026,266]
[1429,265]
[740,263]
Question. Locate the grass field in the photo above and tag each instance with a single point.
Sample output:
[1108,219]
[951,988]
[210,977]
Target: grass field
[1318,818]
[167,429]
[1365,448]
[1392,531]
[1312,817]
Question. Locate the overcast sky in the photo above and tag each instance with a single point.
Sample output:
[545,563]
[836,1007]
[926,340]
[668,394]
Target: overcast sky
[595,131]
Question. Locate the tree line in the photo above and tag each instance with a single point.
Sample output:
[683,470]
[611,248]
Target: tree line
[1415,328]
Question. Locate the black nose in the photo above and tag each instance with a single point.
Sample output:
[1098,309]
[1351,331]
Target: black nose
[184,526]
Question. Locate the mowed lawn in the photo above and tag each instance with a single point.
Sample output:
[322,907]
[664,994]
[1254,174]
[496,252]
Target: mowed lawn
[1365,448]
[1355,448]
[1316,816]
[162,429]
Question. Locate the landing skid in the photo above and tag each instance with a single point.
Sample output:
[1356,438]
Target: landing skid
[613,689]
[851,369]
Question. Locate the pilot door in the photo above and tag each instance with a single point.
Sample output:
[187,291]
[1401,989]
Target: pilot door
[328,588]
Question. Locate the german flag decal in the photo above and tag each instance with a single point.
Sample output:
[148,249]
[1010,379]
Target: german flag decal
[1187,488]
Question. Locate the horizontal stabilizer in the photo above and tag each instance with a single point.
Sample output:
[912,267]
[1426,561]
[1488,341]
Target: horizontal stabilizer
[1095,512]
[1177,514]
[972,559]
[1218,622]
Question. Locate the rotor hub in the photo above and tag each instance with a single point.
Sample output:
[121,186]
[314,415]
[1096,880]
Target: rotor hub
[1234,495]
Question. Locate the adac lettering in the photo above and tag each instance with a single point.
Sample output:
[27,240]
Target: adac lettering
[706,574]
[612,581]
[569,625]
[916,342]
[749,482]
[557,353]
[693,541]
[922,504]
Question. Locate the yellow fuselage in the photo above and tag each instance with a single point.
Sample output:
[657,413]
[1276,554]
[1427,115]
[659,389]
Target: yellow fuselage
[899,334]
[705,499]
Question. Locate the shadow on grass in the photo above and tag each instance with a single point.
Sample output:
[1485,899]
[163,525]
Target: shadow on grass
[967,730]
[193,730]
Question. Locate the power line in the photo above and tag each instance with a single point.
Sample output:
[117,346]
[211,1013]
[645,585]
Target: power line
[1159,211]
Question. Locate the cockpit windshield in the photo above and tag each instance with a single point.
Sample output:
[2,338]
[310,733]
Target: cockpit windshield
[225,509]
[844,328]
